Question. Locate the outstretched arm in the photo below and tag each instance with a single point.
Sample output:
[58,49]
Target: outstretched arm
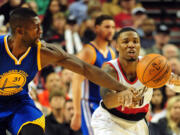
[114,99]
[53,54]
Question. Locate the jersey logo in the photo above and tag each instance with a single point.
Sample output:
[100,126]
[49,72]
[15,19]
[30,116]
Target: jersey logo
[12,82]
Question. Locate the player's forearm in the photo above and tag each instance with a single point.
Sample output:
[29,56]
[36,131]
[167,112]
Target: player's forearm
[92,73]
[102,78]
[76,94]
[111,100]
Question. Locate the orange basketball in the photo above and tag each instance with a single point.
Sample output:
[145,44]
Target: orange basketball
[153,70]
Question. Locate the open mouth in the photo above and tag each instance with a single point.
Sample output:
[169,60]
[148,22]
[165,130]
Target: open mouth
[131,53]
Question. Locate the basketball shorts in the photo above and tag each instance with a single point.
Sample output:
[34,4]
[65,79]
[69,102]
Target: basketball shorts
[15,115]
[104,123]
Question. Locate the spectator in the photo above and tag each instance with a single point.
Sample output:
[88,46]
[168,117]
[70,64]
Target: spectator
[138,16]
[170,50]
[72,38]
[55,121]
[175,64]
[162,37]
[157,105]
[63,5]
[8,7]
[68,113]
[112,7]
[52,83]
[32,5]
[170,124]
[42,6]
[169,92]
[3,30]
[53,8]
[148,28]
[124,18]
[79,10]
[56,33]
[58,122]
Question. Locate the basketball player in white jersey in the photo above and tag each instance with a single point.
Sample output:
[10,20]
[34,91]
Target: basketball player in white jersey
[110,118]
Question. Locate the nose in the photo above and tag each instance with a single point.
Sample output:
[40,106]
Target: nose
[131,44]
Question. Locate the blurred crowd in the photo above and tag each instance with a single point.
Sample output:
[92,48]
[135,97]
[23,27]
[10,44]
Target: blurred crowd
[70,24]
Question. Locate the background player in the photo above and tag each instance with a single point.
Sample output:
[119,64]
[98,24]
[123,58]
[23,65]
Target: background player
[96,53]
[21,56]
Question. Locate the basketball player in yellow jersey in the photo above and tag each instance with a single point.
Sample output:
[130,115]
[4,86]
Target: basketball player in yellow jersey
[110,118]
[96,53]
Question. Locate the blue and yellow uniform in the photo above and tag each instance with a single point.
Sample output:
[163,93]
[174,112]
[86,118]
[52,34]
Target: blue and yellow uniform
[16,107]
[91,92]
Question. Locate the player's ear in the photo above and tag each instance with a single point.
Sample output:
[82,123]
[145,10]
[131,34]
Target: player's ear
[97,28]
[117,46]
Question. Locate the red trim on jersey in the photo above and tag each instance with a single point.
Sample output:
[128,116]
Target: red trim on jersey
[124,74]
[133,110]
[114,68]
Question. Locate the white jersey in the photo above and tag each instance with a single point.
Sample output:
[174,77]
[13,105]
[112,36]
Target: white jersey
[129,121]
[140,110]
[135,84]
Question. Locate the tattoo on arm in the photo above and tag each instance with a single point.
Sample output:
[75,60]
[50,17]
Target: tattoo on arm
[108,69]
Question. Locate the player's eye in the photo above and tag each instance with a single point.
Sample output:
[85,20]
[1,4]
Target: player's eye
[125,41]
[135,41]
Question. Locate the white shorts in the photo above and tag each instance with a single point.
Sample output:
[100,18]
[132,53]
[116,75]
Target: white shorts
[104,123]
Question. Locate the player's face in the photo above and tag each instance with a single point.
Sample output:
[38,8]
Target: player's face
[32,32]
[128,45]
[106,30]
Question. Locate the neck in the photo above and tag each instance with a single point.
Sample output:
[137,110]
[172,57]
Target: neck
[129,68]
[157,109]
[159,46]
[101,43]
[59,117]
[16,46]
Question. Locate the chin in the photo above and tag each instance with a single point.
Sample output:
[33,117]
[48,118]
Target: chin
[131,59]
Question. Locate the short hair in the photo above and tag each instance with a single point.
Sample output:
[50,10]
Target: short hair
[19,17]
[56,93]
[125,29]
[101,18]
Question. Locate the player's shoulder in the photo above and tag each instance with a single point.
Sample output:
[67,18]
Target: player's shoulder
[88,49]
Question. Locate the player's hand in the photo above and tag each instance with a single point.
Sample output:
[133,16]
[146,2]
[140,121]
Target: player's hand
[76,122]
[125,98]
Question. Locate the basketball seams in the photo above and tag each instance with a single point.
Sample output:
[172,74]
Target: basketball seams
[146,69]
[157,73]
[167,66]
[153,71]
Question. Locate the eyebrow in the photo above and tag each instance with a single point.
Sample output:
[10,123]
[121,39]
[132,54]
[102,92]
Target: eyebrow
[128,38]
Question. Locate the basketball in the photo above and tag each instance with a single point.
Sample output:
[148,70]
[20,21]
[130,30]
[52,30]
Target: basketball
[153,70]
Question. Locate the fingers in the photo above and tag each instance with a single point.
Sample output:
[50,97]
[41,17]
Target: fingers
[125,99]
